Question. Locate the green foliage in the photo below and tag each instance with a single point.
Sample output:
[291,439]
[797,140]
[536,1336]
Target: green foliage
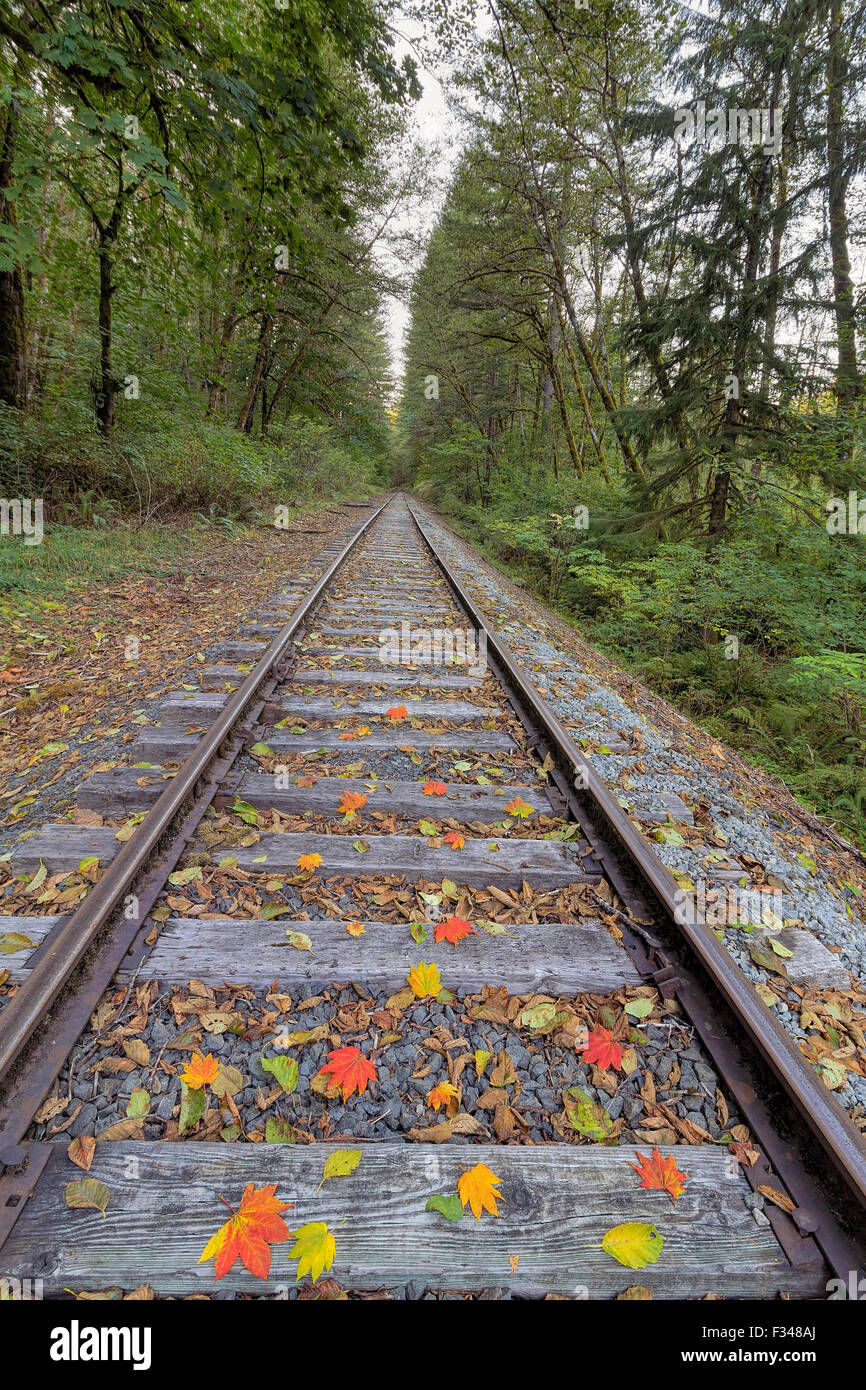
[190,289]
[609,320]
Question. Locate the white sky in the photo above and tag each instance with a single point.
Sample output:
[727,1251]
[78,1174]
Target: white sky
[432,126]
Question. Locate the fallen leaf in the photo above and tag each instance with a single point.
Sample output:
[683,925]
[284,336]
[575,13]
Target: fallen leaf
[249,1233]
[424,980]
[453,929]
[441,1094]
[87,1192]
[661,1173]
[340,1164]
[601,1049]
[314,1249]
[481,1060]
[192,1106]
[635,1244]
[450,1207]
[80,1151]
[477,1186]
[285,1069]
[200,1071]
[12,941]
[778,1198]
[348,1068]
[584,1115]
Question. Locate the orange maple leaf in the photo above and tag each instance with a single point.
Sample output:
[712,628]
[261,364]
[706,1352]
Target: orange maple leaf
[454,839]
[601,1049]
[306,781]
[355,928]
[453,929]
[349,734]
[434,789]
[477,1187]
[200,1071]
[397,712]
[660,1172]
[351,802]
[250,1233]
[309,861]
[516,807]
[441,1094]
[348,1068]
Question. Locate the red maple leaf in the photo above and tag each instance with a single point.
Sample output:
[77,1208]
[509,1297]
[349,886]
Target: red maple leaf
[434,789]
[453,929]
[601,1049]
[660,1172]
[348,1068]
[250,1232]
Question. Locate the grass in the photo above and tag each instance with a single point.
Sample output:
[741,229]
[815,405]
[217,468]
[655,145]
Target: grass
[87,555]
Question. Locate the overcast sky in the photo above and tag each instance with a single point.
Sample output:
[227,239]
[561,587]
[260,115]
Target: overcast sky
[431,125]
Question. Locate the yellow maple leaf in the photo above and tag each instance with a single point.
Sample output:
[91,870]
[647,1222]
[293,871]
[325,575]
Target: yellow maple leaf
[309,861]
[314,1249]
[424,979]
[441,1094]
[478,1188]
[517,807]
[354,929]
[200,1071]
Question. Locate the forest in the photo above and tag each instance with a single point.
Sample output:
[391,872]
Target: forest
[634,364]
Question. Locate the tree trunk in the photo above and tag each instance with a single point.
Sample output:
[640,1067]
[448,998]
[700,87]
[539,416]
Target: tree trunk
[847,374]
[566,423]
[756,236]
[13,328]
[244,421]
[105,396]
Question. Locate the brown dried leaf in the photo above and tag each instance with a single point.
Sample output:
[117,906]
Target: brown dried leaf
[122,1129]
[778,1198]
[81,1150]
[51,1107]
[138,1051]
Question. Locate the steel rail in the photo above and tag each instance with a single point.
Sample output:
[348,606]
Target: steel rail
[28,1007]
[826,1119]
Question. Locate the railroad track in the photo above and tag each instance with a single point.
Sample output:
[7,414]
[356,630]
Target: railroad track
[363,768]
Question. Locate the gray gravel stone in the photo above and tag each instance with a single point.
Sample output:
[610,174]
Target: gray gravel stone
[84,1120]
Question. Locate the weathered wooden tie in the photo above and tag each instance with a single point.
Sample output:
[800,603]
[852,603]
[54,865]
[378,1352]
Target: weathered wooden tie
[558,1202]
